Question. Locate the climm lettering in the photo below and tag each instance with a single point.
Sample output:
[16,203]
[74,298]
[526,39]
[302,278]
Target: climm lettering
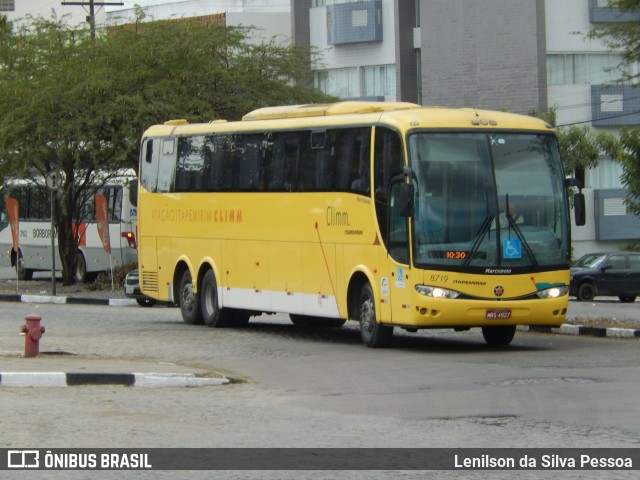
[337,218]
[197,215]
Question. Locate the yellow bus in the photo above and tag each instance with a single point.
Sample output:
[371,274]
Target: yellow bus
[388,214]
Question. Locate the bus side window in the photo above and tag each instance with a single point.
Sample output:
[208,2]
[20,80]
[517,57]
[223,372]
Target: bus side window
[363,158]
[149,165]
[248,162]
[282,165]
[398,236]
[221,169]
[345,156]
[115,204]
[166,165]
[388,159]
[190,166]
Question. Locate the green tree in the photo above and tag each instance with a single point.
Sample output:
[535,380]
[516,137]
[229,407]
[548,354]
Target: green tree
[580,147]
[77,105]
[630,161]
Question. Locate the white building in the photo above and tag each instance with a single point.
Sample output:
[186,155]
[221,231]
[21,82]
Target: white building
[17,10]
[271,18]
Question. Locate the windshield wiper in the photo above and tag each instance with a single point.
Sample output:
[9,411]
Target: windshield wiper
[514,226]
[484,228]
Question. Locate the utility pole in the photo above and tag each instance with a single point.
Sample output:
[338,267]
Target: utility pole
[92,4]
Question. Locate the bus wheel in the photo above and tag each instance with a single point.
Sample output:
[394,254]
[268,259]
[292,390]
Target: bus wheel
[80,275]
[189,304]
[212,315]
[22,272]
[499,336]
[374,334]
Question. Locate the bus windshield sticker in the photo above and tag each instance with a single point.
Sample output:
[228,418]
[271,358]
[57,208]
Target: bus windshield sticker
[511,248]
[399,283]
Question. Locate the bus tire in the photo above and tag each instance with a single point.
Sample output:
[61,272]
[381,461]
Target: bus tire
[374,334]
[499,336]
[80,275]
[188,301]
[22,272]
[212,314]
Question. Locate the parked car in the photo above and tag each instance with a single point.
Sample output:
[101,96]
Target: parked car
[132,290]
[616,274]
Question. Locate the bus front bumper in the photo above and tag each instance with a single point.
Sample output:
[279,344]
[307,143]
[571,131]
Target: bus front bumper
[457,313]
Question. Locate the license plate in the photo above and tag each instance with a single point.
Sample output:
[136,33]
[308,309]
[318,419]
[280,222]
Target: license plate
[498,314]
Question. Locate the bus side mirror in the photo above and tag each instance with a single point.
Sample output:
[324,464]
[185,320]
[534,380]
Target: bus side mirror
[406,200]
[579,209]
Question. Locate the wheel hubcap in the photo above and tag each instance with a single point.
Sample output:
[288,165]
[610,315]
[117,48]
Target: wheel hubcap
[367,316]
[187,297]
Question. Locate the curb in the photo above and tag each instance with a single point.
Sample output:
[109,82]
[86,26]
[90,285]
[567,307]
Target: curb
[111,302]
[61,379]
[568,329]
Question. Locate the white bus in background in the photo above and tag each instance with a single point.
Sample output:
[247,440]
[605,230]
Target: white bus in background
[35,229]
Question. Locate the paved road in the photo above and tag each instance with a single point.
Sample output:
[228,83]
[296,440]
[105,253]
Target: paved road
[317,388]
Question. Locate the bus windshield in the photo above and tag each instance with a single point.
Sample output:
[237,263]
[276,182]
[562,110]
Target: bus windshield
[488,200]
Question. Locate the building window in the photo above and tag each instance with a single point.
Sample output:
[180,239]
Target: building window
[379,81]
[339,82]
[7,6]
[586,68]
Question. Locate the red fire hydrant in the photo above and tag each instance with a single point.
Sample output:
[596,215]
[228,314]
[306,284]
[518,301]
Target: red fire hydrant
[32,334]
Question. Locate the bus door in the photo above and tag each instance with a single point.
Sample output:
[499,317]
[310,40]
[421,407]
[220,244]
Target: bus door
[398,267]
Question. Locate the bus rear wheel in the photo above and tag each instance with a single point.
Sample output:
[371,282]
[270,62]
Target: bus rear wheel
[189,302]
[81,275]
[22,272]
[374,334]
[212,315]
[499,336]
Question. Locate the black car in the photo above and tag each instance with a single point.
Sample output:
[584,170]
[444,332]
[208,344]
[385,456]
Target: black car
[616,274]
[132,290]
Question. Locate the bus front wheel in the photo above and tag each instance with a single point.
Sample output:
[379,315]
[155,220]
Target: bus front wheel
[499,336]
[212,315]
[189,304]
[374,334]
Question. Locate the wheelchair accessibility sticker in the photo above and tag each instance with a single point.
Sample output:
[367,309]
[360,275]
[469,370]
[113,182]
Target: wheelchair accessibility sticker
[511,248]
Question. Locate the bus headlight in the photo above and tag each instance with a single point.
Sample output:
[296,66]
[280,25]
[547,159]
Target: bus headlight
[436,292]
[553,292]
